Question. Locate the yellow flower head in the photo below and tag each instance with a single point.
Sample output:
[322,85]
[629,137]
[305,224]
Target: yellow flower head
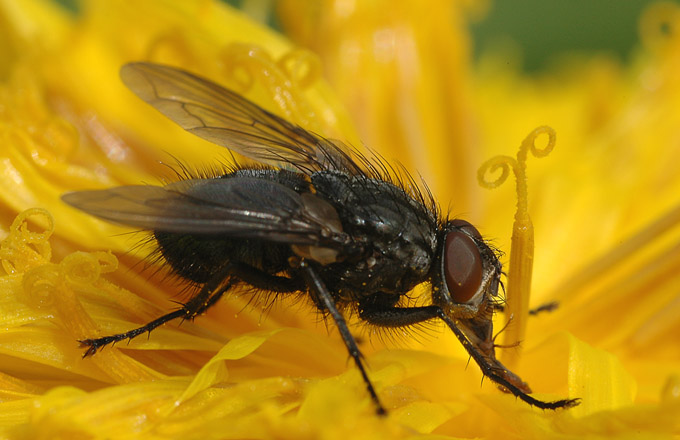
[603,208]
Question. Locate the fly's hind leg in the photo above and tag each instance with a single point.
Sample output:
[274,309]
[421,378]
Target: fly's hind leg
[209,294]
[206,297]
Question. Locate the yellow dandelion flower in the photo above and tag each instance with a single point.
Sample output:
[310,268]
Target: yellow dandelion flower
[604,207]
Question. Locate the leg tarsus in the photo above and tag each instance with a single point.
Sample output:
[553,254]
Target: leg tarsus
[97,343]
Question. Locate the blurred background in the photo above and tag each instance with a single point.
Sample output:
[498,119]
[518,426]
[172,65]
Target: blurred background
[538,32]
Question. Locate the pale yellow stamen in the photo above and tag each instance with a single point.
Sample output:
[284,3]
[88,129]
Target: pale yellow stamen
[56,287]
[284,79]
[23,249]
[522,248]
[256,72]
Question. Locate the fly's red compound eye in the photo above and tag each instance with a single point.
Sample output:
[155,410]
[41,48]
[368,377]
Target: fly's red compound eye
[462,265]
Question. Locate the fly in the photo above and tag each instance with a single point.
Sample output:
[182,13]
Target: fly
[314,218]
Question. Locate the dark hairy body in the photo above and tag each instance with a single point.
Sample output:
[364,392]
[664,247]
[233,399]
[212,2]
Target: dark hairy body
[390,246]
[314,220]
[390,240]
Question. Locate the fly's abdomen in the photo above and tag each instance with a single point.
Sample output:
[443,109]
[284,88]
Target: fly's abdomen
[200,257]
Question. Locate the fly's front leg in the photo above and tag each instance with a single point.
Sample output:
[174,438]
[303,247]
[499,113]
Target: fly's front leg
[326,300]
[380,310]
[547,307]
[209,294]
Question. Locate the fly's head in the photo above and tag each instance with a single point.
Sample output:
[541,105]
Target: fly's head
[466,282]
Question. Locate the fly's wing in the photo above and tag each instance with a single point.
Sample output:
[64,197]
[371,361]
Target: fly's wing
[227,119]
[243,207]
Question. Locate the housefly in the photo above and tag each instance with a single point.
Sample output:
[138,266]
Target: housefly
[314,218]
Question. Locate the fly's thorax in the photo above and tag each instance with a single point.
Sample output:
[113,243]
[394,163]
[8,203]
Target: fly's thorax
[397,232]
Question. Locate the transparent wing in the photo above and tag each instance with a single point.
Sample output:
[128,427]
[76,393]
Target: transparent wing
[227,119]
[242,207]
